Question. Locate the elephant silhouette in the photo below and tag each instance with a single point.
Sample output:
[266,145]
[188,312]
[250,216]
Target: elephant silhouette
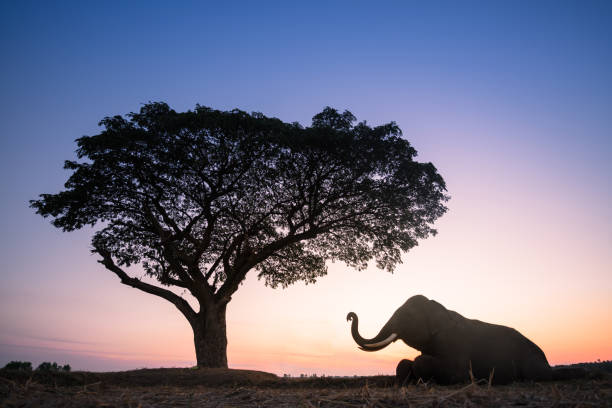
[454,347]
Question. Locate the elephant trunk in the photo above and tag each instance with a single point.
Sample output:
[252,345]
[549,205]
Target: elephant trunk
[382,339]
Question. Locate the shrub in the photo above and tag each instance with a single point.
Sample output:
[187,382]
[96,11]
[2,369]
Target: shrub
[19,366]
[52,367]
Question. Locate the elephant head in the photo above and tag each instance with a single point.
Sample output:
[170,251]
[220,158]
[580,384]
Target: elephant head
[415,323]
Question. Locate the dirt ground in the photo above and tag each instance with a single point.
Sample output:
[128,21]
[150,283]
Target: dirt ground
[242,388]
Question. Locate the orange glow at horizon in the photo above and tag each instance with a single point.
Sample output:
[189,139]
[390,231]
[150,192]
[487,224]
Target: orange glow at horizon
[297,330]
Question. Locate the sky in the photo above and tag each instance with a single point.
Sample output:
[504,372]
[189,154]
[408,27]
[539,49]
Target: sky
[511,101]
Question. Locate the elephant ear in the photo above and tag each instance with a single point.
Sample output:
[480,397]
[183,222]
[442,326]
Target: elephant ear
[438,317]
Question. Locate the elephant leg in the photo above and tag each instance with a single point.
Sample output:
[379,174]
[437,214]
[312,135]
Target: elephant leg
[427,367]
[424,367]
[403,372]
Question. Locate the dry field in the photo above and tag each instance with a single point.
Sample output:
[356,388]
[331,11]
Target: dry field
[241,388]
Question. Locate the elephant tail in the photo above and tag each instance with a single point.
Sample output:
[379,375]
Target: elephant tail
[382,339]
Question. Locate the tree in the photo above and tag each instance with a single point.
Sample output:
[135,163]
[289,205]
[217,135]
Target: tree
[18,366]
[54,367]
[200,198]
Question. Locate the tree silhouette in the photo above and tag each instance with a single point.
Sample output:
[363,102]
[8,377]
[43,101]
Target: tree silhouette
[200,198]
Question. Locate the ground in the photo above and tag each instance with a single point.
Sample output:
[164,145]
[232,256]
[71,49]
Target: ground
[179,387]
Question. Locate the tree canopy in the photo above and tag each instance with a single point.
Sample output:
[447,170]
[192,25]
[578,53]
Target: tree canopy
[200,198]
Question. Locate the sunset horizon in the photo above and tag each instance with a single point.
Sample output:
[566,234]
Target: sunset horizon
[511,102]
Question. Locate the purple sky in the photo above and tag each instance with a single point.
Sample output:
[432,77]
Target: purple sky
[512,101]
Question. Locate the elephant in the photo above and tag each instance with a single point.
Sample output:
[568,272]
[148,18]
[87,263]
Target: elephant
[454,347]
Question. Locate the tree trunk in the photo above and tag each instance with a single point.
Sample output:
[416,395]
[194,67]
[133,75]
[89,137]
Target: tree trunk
[209,336]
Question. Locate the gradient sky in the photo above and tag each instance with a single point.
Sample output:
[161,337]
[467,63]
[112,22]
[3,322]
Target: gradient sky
[512,101]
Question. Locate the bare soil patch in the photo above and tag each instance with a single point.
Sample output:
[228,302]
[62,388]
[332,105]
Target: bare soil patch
[244,388]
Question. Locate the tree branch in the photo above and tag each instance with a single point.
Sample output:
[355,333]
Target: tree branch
[180,303]
[248,261]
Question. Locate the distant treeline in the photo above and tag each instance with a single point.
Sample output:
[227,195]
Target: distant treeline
[46,366]
[605,365]
[27,366]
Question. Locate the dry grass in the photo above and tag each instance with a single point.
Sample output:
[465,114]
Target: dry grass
[260,390]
